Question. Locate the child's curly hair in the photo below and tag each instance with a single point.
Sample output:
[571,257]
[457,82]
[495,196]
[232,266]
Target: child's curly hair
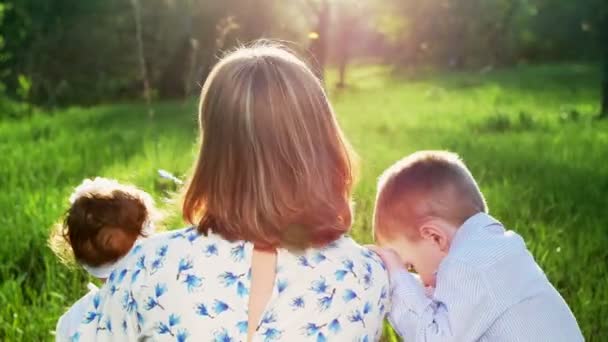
[103,222]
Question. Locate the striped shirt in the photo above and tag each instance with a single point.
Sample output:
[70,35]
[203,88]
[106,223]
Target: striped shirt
[488,288]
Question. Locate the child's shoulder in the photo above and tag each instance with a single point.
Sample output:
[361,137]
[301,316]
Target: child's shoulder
[68,323]
[487,249]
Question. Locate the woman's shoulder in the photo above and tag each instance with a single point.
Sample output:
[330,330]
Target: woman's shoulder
[345,262]
[179,251]
[347,248]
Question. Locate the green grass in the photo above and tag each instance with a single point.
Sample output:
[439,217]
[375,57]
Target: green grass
[526,133]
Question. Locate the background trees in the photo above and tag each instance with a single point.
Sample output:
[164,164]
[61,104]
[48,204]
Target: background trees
[68,51]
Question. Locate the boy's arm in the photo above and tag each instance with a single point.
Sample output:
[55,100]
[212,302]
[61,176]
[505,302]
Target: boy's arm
[462,308]
[407,300]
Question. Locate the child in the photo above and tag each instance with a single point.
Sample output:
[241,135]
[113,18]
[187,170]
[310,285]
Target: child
[431,217]
[103,223]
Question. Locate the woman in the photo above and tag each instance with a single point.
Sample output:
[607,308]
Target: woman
[269,199]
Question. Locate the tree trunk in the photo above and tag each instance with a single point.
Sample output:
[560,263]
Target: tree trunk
[347,31]
[140,54]
[604,108]
[318,40]
[604,41]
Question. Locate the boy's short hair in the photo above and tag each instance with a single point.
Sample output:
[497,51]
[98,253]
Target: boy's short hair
[425,184]
[103,222]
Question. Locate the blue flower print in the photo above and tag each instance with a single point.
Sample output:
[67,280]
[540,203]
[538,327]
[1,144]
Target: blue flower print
[367,276]
[340,274]
[222,336]
[303,261]
[356,317]
[228,278]
[281,285]
[178,235]
[201,310]
[128,302]
[210,250]
[113,289]
[271,334]
[135,250]
[241,290]
[140,321]
[153,301]
[140,266]
[112,276]
[319,257]
[382,299]
[242,327]
[269,317]
[312,328]
[184,265]
[334,326]
[192,236]
[319,286]
[219,307]
[94,315]
[238,252]
[167,328]
[164,329]
[173,320]
[367,308]
[330,295]
[75,337]
[182,234]
[107,326]
[141,262]
[349,295]
[182,335]
[121,276]
[161,252]
[325,302]
[192,282]
[349,266]
[297,303]
[156,265]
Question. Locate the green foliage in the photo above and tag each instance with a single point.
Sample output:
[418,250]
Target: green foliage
[473,33]
[84,52]
[548,184]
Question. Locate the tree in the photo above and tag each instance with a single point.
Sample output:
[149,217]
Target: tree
[141,56]
[604,43]
[604,105]
[318,37]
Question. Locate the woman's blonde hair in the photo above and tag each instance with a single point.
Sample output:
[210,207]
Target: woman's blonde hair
[274,168]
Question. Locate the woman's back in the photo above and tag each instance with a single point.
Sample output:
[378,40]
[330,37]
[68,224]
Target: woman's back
[185,286]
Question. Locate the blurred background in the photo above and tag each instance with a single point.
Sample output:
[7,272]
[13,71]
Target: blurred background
[519,88]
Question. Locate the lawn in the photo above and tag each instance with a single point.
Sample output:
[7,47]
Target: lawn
[527,134]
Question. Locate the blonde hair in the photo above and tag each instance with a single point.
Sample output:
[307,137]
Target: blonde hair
[425,184]
[274,167]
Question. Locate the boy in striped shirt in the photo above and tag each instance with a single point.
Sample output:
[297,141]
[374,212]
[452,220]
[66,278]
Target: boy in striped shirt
[430,217]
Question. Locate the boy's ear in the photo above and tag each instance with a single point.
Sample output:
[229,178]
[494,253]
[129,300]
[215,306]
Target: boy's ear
[435,235]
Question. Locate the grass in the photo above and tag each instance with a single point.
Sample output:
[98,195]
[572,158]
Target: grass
[526,133]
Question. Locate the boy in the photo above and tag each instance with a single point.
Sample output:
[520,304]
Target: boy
[102,225]
[430,216]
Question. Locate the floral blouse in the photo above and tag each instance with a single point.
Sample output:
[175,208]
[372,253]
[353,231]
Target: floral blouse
[184,286]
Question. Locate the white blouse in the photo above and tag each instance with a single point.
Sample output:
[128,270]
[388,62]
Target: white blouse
[184,286]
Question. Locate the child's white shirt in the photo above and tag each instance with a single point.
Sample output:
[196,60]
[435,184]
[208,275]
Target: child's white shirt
[68,324]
